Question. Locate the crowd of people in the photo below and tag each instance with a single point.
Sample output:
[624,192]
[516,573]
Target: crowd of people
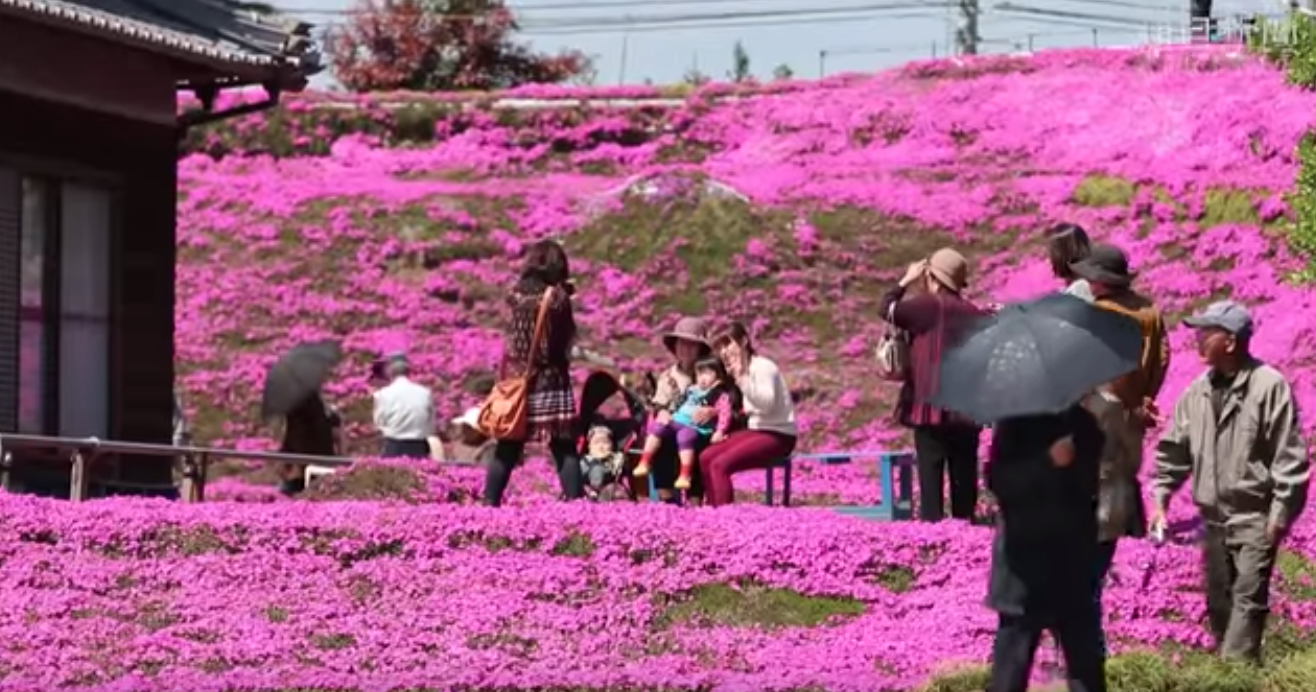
[1066,484]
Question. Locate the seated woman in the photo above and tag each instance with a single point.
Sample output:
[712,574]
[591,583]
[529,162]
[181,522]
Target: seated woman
[769,433]
[688,343]
[711,388]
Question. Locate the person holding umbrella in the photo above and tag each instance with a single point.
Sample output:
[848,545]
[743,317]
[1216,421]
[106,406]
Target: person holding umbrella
[293,391]
[1235,433]
[1015,369]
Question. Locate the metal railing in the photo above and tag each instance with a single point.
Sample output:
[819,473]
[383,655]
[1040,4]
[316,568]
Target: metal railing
[192,462]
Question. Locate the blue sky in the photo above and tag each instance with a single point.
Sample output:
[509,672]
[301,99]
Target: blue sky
[865,41]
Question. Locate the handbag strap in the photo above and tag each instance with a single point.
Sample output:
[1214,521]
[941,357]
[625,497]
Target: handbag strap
[541,326]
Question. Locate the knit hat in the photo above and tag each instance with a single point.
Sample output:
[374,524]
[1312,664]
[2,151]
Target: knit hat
[949,268]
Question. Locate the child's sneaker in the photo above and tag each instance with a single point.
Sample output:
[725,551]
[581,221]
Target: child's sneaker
[641,469]
[683,482]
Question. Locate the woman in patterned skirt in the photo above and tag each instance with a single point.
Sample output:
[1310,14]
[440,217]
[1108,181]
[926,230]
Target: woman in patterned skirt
[552,407]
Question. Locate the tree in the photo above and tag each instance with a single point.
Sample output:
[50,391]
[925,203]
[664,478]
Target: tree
[783,72]
[739,64]
[438,45]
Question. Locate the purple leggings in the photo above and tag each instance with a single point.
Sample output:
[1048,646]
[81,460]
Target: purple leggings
[686,437]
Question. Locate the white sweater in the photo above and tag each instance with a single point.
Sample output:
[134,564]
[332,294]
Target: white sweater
[768,404]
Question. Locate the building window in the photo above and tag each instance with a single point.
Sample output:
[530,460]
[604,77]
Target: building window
[35,221]
[84,310]
[64,328]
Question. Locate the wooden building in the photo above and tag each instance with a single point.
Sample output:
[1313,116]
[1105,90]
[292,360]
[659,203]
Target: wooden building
[89,142]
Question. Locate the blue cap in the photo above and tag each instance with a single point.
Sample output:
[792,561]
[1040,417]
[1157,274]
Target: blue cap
[1227,315]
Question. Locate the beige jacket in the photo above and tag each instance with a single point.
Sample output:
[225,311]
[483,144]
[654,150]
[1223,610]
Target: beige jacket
[1252,461]
[672,384]
[1118,508]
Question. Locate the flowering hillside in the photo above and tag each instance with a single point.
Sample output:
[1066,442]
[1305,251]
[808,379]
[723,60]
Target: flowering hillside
[399,227]
[396,223]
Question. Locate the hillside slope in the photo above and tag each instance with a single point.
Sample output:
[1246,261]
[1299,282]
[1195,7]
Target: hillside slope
[793,209]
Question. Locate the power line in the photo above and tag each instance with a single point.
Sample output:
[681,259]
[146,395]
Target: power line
[716,24]
[625,4]
[730,18]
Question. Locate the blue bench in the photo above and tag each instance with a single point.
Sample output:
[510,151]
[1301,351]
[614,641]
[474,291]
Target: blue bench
[895,482]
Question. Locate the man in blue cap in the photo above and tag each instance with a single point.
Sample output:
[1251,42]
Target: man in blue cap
[1235,434]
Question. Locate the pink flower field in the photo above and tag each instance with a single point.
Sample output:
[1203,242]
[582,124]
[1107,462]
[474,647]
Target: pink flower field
[396,222]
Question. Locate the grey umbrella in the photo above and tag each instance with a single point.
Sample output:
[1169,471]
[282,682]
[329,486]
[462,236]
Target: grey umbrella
[1034,358]
[297,375]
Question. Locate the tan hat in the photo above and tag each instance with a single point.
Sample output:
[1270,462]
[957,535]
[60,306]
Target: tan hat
[949,268]
[692,329]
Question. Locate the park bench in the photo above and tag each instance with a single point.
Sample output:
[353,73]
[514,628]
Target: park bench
[895,482]
[895,478]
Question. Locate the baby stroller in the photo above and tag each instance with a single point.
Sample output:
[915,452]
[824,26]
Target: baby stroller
[627,430]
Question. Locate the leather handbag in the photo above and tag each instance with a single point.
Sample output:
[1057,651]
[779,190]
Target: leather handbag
[504,415]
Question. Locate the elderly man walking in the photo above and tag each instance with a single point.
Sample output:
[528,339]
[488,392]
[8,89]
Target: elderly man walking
[404,412]
[1235,434]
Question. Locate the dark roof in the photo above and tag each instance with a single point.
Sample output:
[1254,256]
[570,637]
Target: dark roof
[215,31]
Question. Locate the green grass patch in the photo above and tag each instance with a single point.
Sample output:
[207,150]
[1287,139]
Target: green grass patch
[757,606]
[707,232]
[1298,574]
[1226,206]
[1098,190]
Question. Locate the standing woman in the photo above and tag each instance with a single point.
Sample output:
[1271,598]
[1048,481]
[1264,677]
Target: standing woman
[769,433]
[944,442]
[551,405]
[1066,244]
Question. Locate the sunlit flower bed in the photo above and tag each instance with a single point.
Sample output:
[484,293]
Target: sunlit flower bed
[144,596]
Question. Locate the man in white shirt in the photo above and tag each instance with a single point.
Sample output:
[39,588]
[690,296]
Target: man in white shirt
[404,412]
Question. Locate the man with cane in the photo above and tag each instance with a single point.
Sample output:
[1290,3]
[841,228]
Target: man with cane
[1235,434]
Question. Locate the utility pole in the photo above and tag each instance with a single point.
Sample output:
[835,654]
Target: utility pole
[625,45]
[966,34]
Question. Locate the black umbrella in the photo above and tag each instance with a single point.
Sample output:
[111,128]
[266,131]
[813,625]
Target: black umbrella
[1036,358]
[297,375]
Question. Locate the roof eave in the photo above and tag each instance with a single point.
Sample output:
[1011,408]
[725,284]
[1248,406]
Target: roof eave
[235,65]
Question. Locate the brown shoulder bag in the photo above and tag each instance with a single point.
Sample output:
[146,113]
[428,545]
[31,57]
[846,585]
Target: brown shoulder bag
[505,414]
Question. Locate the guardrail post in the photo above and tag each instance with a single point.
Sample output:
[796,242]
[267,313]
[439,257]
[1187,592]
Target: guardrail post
[194,476]
[80,478]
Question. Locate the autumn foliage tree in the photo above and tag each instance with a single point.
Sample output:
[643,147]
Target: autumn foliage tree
[439,45]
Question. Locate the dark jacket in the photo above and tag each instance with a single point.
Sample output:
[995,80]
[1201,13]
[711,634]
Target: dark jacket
[310,428]
[933,321]
[1046,535]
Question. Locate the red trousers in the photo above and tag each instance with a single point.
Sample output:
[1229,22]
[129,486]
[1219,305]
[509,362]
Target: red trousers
[743,450]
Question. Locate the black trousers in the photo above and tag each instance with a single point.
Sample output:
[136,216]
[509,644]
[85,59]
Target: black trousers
[508,454]
[664,467]
[1078,634]
[413,449]
[946,450]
